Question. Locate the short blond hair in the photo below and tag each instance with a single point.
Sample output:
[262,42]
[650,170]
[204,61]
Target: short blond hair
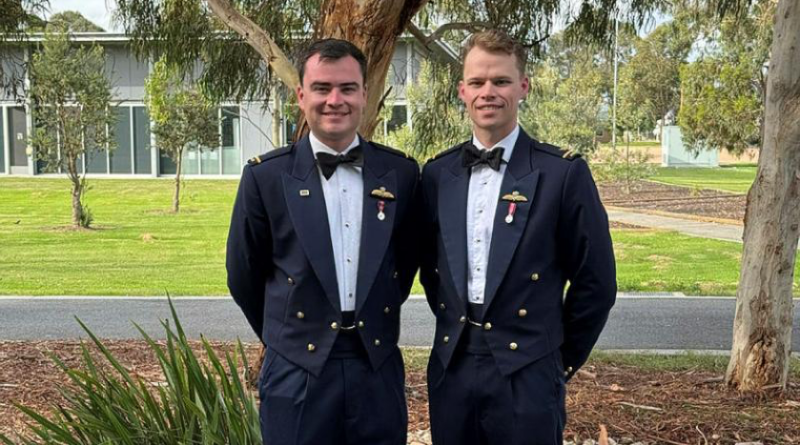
[495,41]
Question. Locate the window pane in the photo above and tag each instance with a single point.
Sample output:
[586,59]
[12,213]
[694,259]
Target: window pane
[141,140]
[191,161]
[210,161]
[121,156]
[231,159]
[166,166]
[398,118]
[96,157]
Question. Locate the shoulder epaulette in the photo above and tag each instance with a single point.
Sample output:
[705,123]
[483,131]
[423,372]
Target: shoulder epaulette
[557,151]
[454,149]
[255,160]
[391,150]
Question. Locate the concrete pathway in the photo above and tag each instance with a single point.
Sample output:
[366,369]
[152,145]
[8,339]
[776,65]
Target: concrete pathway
[687,226]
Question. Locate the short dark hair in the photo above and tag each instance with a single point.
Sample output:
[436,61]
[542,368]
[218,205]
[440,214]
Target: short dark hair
[332,49]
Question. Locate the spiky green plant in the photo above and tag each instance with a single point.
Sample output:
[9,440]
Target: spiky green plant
[199,403]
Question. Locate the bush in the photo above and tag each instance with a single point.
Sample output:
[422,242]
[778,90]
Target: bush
[203,403]
[616,166]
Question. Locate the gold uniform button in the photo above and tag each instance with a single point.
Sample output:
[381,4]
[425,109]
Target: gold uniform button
[377,342]
[334,325]
[568,370]
[463,319]
[311,347]
[360,324]
[395,274]
[301,315]
[446,339]
[534,277]
[513,346]
[436,270]
[290,281]
[523,312]
[442,306]
[487,326]
[386,310]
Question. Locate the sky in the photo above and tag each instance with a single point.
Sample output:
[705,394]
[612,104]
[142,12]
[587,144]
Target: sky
[98,11]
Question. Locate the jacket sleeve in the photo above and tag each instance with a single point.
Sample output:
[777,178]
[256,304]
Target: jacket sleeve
[407,252]
[248,252]
[587,256]
[427,239]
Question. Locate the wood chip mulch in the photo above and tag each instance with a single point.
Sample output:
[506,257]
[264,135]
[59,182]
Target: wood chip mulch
[635,405]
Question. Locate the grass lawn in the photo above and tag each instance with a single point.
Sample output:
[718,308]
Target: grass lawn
[736,179]
[139,248]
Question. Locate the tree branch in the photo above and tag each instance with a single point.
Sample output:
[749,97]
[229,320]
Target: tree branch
[425,42]
[258,39]
[469,26]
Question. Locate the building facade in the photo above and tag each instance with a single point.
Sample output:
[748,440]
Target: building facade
[246,128]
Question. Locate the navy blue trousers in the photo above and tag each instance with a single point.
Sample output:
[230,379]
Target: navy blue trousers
[348,404]
[472,403]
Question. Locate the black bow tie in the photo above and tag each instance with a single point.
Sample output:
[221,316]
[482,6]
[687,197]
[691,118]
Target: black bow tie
[473,156]
[328,162]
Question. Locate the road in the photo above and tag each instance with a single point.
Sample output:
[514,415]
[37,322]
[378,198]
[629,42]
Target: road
[644,323]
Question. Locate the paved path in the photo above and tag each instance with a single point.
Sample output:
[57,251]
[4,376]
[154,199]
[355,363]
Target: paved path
[640,323]
[687,226]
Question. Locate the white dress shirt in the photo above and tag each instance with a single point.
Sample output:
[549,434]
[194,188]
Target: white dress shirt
[484,193]
[344,196]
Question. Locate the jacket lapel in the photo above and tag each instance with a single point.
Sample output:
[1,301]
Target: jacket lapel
[522,178]
[375,233]
[306,203]
[452,208]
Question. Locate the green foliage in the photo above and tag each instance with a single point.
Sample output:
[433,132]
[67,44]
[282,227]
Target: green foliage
[723,91]
[438,120]
[649,82]
[72,21]
[621,165]
[182,116]
[71,98]
[566,110]
[200,401]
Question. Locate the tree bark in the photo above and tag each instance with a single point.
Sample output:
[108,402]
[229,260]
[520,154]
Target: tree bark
[763,322]
[374,26]
[176,198]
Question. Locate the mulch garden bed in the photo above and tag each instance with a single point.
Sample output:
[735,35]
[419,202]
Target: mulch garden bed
[634,405]
[648,195]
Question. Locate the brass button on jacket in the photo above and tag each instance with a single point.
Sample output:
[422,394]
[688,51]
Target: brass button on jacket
[513,346]
[446,339]
[360,324]
[534,276]
[312,347]
[301,315]
[386,310]
[523,312]
[334,325]
[290,281]
[377,342]
[487,326]
[442,306]
[463,319]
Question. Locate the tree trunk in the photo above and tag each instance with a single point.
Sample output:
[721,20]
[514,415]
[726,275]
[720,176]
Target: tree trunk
[176,198]
[373,26]
[77,208]
[763,322]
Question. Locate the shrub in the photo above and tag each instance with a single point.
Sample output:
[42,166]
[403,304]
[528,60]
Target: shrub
[200,402]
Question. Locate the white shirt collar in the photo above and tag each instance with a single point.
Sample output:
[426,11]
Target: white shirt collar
[318,146]
[507,143]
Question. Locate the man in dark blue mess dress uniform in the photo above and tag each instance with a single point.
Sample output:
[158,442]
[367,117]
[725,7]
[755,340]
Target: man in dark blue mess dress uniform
[509,222]
[318,261]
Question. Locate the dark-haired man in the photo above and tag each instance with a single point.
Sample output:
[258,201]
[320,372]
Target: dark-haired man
[509,221]
[316,260]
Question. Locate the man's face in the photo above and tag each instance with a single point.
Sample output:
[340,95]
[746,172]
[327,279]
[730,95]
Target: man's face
[491,90]
[333,98]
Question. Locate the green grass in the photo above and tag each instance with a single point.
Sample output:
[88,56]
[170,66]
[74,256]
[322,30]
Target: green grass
[140,248]
[736,179]
[417,358]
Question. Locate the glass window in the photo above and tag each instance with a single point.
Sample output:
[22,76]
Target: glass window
[210,160]
[191,161]
[398,119]
[121,156]
[141,140]
[96,158]
[231,159]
